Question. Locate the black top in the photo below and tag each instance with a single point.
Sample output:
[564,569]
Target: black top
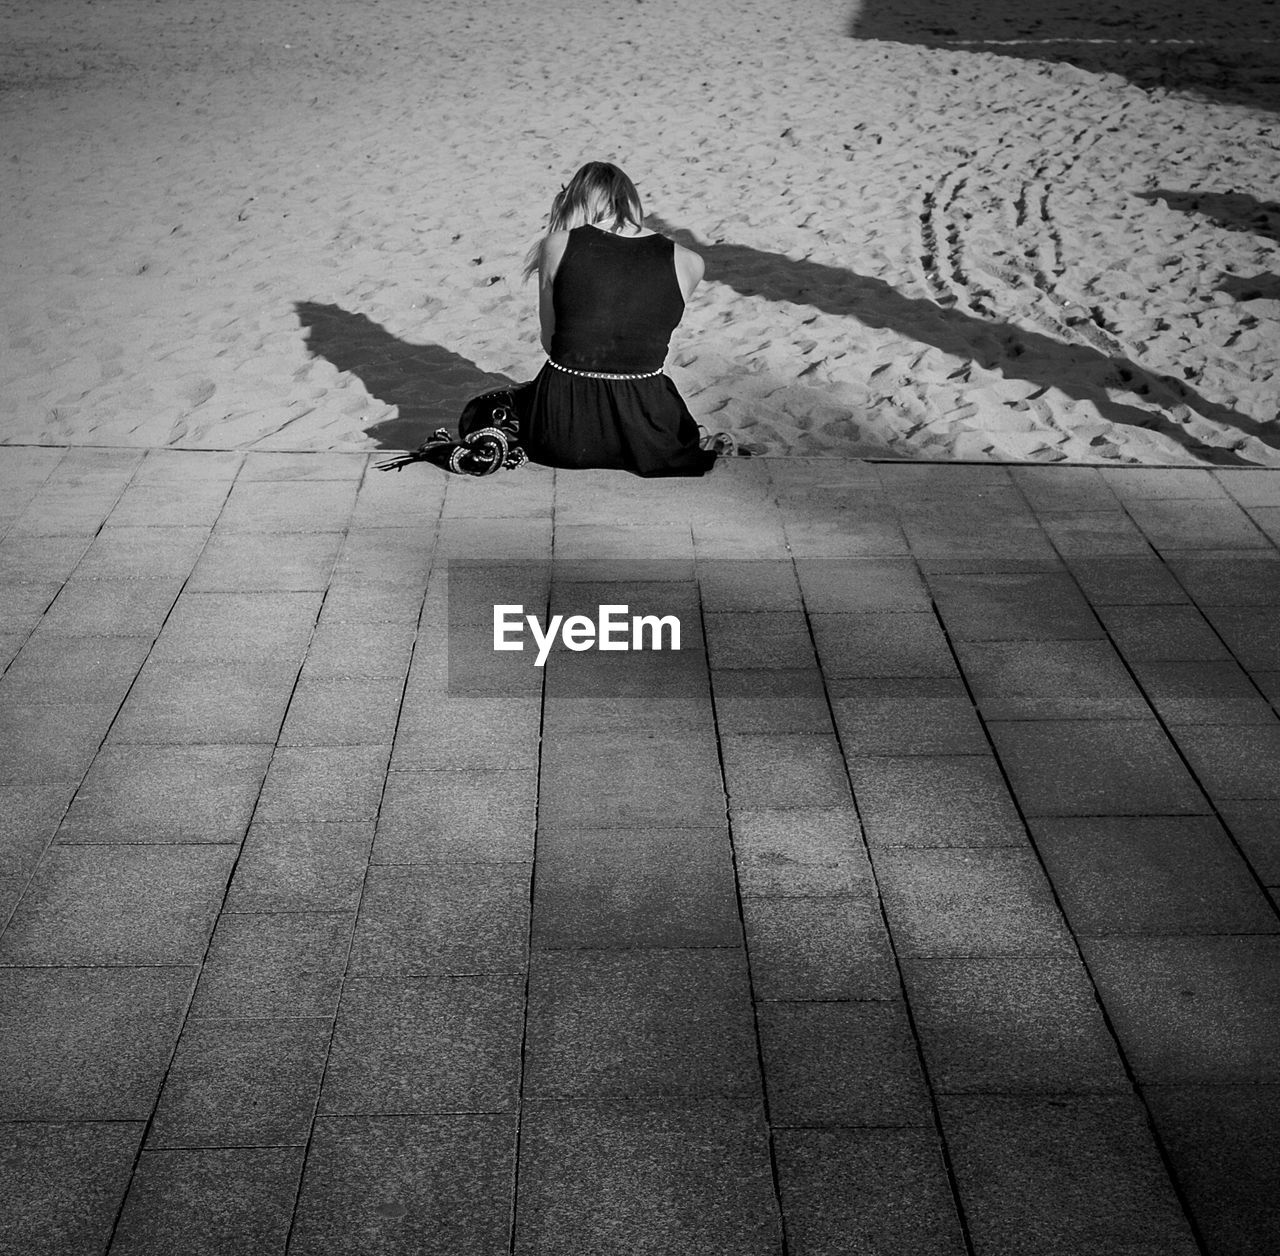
[616,300]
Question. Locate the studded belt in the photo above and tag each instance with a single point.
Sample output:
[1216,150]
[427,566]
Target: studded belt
[604,374]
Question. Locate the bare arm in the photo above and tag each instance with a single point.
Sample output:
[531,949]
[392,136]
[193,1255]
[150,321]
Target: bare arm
[689,269]
[552,251]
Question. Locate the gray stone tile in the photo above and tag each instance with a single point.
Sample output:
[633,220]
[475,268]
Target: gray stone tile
[625,1179]
[283,506]
[748,585]
[1127,580]
[242,1083]
[351,603]
[119,905]
[56,669]
[1267,519]
[758,639]
[407,1186]
[935,800]
[181,466]
[845,1191]
[1075,1176]
[598,541]
[861,584]
[270,966]
[640,1023]
[263,466]
[1185,525]
[893,643]
[643,887]
[619,778]
[818,948]
[854,530]
[801,853]
[1065,680]
[1203,693]
[141,553]
[87,1044]
[1190,1010]
[239,628]
[341,650]
[40,559]
[969,902]
[343,712]
[1012,606]
[841,1064]
[477,816]
[22,605]
[972,537]
[1095,767]
[425,921]
[441,730]
[1140,484]
[29,817]
[633,674]
[1025,1023]
[324,783]
[1250,487]
[1224,1144]
[768,771]
[50,744]
[1250,632]
[169,505]
[62,1184]
[210,1202]
[386,556]
[1255,825]
[1162,634]
[906,717]
[1229,577]
[309,866]
[1151,874]
[789,700]
[111,608]
[1233,761]
[572,717]
[242,562]
[1056,490]
[1094,532]
[201,703]
[167,794]
[417,1045]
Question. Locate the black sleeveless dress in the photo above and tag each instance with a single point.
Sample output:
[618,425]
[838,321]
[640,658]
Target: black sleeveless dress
[617,301]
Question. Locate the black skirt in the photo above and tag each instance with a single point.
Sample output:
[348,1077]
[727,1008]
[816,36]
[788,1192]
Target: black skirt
[637,425]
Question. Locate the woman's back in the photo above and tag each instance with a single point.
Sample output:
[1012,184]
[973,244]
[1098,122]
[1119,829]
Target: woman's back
[617,300]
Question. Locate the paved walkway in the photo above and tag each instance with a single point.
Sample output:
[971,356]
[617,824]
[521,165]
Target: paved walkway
[924,903]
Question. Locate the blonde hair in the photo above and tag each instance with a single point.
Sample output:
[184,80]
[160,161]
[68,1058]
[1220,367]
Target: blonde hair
[599,193]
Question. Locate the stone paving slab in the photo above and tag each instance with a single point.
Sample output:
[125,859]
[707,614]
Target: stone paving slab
[924,903]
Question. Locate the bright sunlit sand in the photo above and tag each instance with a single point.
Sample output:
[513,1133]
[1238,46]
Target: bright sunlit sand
[928,234]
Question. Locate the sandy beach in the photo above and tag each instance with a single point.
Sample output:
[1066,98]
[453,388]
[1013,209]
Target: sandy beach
[928,235]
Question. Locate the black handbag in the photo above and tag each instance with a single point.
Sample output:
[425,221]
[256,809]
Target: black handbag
[488,438]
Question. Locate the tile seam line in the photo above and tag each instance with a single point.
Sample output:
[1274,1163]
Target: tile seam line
[763,1091]
[943,1148]
[316,1114]
[513,1209]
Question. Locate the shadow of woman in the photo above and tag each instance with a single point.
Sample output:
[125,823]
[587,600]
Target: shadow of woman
[428,384]
[1077,370]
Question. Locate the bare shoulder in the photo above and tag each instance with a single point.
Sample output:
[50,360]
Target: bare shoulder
[553,246]
[689,269]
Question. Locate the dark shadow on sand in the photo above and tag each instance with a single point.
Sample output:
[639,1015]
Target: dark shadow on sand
[1236,211]
[1214,51]
[429,384]
[1077,370]
[1263,287]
